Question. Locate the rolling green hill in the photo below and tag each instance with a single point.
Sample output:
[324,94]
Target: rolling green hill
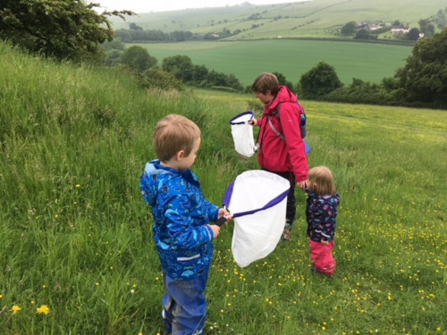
[246,60]
[274,33]
[317,18]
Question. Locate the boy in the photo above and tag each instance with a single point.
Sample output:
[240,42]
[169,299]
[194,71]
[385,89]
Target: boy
[183,236]
[286,155]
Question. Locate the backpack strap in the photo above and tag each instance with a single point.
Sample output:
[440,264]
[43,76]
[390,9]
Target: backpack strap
[302,124]
[276,112]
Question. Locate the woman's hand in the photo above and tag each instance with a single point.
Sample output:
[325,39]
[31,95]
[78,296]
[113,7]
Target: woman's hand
[302,184]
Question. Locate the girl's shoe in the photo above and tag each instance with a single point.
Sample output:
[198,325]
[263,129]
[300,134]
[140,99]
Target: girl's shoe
[315,270]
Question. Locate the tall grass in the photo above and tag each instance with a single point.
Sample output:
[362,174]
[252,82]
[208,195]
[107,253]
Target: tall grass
[76,236]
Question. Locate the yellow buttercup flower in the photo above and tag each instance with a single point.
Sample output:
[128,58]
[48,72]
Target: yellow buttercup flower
[44,309]
[15,309]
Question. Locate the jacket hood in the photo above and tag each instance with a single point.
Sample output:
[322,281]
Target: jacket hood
[153,178]
[284,95]
[333,199]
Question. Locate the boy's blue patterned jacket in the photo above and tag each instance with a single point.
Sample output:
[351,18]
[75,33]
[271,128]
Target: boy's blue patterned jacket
[181,216]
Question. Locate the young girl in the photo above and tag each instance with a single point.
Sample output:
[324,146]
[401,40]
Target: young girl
[321,212]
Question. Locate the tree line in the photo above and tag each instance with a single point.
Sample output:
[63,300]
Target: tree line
[175,72]
[136,34]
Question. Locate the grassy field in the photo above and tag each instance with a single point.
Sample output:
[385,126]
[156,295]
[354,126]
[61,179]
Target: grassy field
[76,248]
[317,18]
[246,60]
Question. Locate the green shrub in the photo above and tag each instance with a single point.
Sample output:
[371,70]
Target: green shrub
[157,78]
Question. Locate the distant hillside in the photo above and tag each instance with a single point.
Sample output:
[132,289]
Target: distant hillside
[317,18]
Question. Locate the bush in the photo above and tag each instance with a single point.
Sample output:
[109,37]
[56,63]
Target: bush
[137,58]
[360,92]
[157,78]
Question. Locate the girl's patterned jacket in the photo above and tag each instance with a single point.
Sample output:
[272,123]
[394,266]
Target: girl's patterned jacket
[181,216]
[321,215]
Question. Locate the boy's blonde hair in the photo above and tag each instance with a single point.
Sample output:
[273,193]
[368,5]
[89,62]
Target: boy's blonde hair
[174,133]
[321,180]
[266,82]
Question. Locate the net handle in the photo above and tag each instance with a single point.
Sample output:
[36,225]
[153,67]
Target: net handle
[221,221]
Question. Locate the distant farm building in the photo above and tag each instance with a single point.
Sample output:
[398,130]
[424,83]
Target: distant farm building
[397,31]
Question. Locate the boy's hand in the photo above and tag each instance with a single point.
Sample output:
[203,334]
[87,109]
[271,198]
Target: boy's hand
[216,230]
[252,122]
[324,242]
[224,212]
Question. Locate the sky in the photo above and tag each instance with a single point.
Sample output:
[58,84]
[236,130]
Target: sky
[146,6]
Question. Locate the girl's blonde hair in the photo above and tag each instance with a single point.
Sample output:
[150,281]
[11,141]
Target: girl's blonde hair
[174,133]
[321,181]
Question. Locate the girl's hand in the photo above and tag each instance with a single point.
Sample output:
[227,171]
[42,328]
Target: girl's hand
[324,242]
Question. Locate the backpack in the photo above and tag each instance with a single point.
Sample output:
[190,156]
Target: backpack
[302,125]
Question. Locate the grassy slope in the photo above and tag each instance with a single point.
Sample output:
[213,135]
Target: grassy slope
[75,234]
[310,19]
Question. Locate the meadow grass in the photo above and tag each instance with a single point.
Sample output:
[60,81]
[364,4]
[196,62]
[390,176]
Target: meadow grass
[292,58]
[76,235]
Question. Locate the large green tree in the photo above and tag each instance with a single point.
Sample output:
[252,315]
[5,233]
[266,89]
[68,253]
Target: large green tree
[199,74]
[349,28]
[319,81]
[427,27]
[137,58]
[362,34]
[283,81]
[63,29]
[413,34]
[424,77]
[180,66]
